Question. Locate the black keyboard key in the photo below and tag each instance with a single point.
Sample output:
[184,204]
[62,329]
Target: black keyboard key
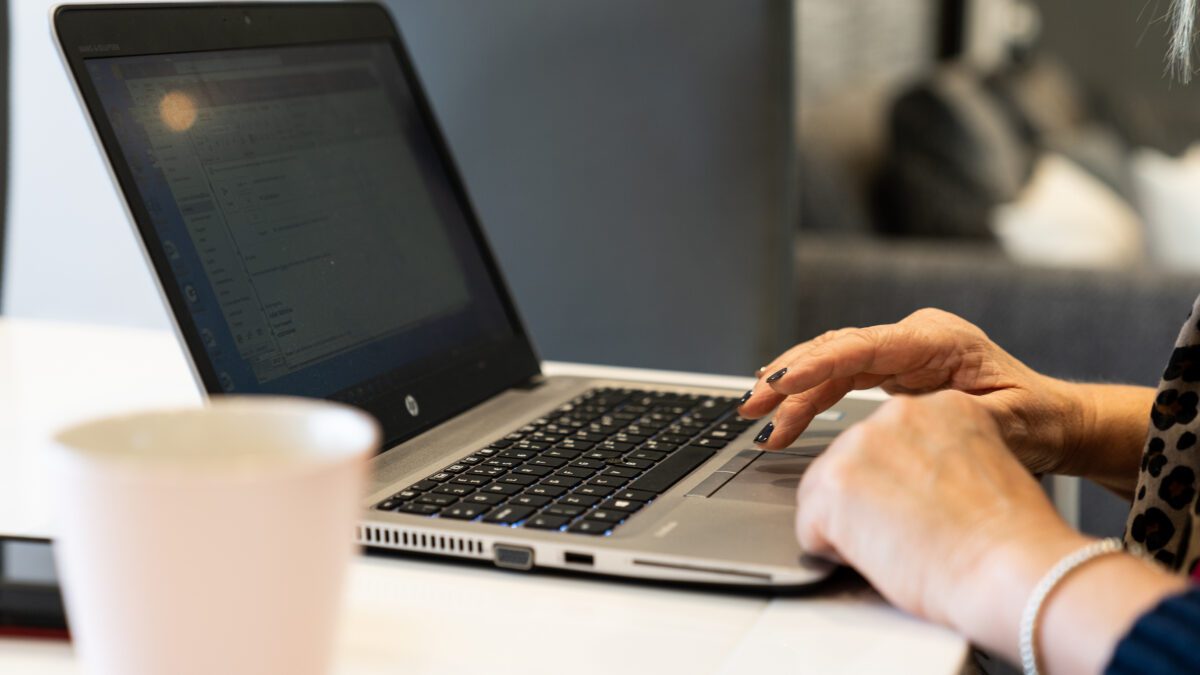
[546,522]
[577,472]
[660,446]
[591,527]
[405,495]
[518,454]
[441,476]
[594,490]
[635,495]
[436,499]
[489,471]
[562,481]
[601,454]
[649,455]
[672,469]
[517,479]
[574,444]
[530,446]
[464,511]
[388,504]
[456,489]
[608,481]
[591,463]
[483,498]
[419,509]
[471,459]
[561,453]
[622,472]
[565,510]
[502,489]
[626,505]
[639,464]
[613,446]
[714,443]
[423,486]
[552,462]
[589,436]
[605,516]
[550,491]
[502,443]
[488,452]
[532,470]
[455,468]
[504,462]
[529,500]
[508,515]
[673,438]
[580,500]
[472,480]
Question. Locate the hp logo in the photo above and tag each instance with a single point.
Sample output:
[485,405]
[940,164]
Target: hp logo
[410,404]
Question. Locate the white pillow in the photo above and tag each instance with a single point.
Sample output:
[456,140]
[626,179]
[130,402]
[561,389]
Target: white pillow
[1066,217]
[1169,192]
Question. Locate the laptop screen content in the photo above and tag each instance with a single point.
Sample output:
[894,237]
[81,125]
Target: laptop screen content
[305,212]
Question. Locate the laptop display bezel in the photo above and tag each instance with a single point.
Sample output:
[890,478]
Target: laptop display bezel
[97,31]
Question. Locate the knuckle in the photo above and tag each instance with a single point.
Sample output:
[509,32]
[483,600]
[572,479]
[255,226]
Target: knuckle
[929,314]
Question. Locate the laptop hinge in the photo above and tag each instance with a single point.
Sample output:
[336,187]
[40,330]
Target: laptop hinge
[532,383]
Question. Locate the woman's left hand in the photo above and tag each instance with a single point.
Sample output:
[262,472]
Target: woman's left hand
[918,496]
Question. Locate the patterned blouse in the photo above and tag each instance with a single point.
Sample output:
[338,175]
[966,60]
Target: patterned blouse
[1166,514]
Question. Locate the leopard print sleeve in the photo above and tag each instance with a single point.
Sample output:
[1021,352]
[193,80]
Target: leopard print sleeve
[1165,512]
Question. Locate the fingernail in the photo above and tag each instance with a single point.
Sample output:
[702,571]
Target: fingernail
[765,434]
[776,375]
[746,397]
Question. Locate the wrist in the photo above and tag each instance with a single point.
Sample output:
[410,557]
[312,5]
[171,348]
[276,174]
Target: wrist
[1077,413]
[990,601]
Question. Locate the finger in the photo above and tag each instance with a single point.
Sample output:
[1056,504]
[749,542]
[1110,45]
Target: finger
[762,398]
[797,412]
[791,354]
[812,514]
[878,350]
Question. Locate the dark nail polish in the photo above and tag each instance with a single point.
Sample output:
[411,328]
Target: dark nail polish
[765,434]
[746,397]
[776,375]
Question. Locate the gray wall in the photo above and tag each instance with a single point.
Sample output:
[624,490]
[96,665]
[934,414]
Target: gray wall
[630,160]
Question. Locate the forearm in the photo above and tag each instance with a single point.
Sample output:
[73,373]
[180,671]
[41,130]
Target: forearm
[1107,434]
[1082,620]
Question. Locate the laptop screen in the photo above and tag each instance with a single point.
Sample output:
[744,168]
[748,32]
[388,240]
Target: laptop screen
[305,212]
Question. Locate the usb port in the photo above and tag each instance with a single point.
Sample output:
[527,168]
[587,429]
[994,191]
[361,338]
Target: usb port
[579,558]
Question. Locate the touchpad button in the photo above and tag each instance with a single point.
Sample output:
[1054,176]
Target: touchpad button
[771,479]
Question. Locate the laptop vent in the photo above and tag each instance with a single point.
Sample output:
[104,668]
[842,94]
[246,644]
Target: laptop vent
[392,537]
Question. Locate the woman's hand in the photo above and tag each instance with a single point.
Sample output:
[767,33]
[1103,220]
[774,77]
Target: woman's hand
[924,499]
[916,496]
[930,350]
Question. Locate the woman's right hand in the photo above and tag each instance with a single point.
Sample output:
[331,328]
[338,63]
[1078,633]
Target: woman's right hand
[931,350]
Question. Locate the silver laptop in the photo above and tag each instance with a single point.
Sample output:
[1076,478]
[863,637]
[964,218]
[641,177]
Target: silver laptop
[311,236]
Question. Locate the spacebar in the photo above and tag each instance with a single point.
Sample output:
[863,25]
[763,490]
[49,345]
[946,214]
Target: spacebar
[672,469]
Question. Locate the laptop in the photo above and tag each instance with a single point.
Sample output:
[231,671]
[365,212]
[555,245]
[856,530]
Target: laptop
[311,236]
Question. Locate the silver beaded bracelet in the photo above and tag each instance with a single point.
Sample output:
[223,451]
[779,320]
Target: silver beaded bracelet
[1033,608]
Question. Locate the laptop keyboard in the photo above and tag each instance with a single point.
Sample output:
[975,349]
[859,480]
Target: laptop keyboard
[586,468]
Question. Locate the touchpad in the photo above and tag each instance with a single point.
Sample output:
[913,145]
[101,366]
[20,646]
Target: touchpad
[771,479]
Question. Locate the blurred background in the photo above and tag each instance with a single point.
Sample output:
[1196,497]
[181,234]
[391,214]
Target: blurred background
[698,185]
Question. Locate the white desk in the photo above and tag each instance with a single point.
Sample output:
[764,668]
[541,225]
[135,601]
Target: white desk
[420,616]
